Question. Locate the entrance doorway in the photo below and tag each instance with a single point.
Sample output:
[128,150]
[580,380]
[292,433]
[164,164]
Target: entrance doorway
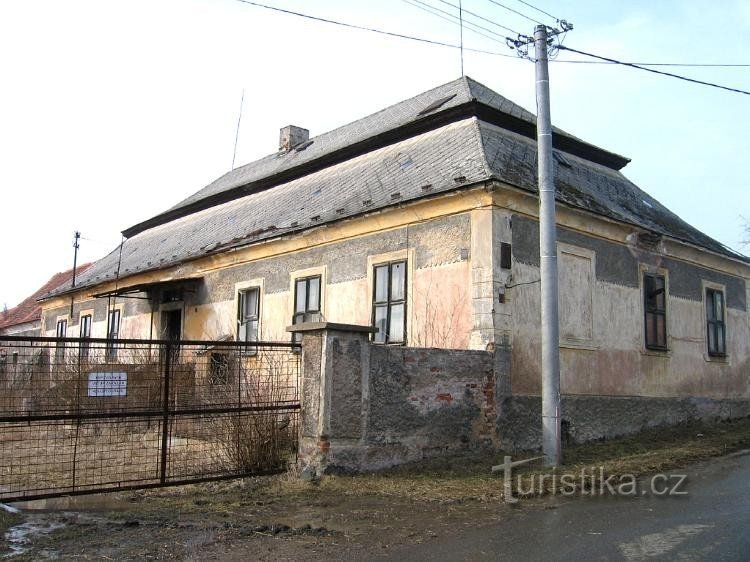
[171,325]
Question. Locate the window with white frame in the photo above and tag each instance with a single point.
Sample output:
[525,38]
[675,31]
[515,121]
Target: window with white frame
[306,302]
[716,331]
[61,332]
[84,332]
[389,302]
[248,315]
[113,333]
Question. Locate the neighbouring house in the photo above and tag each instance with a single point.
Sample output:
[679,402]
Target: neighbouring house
[25,318]
[421,220]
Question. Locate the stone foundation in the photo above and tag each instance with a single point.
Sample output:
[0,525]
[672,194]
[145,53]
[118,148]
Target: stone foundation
[592,418]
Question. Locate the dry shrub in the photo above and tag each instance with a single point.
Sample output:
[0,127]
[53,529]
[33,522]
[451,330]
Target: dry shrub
[253,441]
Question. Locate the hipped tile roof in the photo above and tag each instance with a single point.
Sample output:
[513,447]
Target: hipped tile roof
[451,155]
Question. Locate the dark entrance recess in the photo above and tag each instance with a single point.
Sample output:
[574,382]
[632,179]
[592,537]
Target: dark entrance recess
[171,325]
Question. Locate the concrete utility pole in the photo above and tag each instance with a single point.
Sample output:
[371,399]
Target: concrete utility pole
[548,259]
[76,245]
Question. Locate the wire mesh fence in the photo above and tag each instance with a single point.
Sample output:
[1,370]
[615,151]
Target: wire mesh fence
[88,415]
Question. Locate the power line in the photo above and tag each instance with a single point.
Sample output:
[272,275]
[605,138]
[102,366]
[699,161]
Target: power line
[631,65]
[684,64]
[372,29]
[424,8]
[515,12]
[539,10]
[481,18]
[455,20]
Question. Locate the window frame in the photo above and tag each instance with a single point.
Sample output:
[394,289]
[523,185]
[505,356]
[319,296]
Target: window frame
[651,311]
[308,312]
[253,320]
[85,320]
[712,324]
[60,346]
[390,303]
[111,346]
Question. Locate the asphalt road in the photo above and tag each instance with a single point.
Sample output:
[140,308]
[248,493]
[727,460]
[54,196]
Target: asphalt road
[710,522]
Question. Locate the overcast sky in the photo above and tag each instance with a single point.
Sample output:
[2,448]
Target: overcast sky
[111,112]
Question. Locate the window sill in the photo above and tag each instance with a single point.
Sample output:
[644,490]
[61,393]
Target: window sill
[663,353]
[720,359]
[581,345]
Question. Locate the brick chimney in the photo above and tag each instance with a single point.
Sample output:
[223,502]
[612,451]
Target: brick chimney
[291,136]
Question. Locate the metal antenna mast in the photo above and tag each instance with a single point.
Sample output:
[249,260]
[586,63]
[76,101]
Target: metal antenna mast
[461,25]
[237,132]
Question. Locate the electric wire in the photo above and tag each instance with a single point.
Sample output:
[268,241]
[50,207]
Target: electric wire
[481,18]
[644,67]
[371,29]
[515,11]
[538,10]
[653,71]
[683,64]
[455,20]
[449,20]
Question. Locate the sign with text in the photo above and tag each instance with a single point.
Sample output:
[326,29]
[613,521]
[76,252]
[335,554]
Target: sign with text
[108,384]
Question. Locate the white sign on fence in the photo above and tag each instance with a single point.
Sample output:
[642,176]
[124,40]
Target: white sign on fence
[108,384]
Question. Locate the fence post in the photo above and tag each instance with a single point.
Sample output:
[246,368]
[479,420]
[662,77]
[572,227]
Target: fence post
[335,364]
[165,409]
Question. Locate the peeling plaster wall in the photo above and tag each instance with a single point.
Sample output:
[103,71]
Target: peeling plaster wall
[613,361]
[438,309]
[437,290]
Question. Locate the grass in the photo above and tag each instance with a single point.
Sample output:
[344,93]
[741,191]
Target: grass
[7,520]
[470,478]
[465,478]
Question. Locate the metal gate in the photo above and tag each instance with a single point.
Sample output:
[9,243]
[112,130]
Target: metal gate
[80,416]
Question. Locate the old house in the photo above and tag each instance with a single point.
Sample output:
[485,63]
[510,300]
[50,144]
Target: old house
[24,319]
[421,220]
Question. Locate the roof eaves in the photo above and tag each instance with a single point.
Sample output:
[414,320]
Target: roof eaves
[271,235]
[727,254]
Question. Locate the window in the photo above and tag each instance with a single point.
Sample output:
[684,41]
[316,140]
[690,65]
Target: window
[505,255]
[113,332]
[306,302]
[655,310]
[61,332]
[84,333]
[248,315]
[389,302]
[715,325]
[85,326]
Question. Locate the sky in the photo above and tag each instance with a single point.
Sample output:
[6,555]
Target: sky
[111,112]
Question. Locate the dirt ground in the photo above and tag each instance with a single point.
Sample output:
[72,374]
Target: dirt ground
[336,517]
